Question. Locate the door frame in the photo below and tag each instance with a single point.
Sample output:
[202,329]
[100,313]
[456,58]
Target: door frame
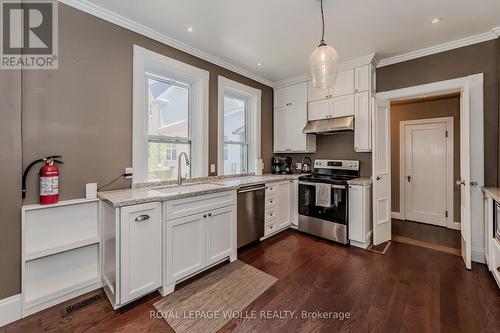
[471,94]
[449,166]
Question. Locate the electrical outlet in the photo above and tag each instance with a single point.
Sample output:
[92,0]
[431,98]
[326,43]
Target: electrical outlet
[129,171]
[212,167]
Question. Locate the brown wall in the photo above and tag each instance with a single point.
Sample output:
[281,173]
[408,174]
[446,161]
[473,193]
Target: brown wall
[338,147]
[10,180]
[424,109]
[478,58]
[83,111]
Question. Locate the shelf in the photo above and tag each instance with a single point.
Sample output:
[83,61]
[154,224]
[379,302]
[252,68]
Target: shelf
[60,249]
[59,204]
[60,228]
[54,276]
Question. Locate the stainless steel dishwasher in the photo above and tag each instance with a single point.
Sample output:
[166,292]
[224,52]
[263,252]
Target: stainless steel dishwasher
[250,213]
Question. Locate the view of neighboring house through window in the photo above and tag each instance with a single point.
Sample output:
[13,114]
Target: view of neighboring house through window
[168,107]
[235,135]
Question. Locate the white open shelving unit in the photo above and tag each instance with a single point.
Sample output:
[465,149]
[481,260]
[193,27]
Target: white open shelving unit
[60,252]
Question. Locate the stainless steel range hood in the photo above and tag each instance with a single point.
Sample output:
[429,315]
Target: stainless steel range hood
[329,126]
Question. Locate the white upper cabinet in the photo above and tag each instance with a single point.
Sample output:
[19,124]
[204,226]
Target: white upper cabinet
[291,95]
[363,78]
[317,94]
[319,110]
[342,106]
[290,119]
[362,122]
[344,84]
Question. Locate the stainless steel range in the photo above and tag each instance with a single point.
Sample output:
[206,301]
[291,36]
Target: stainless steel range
[323,199]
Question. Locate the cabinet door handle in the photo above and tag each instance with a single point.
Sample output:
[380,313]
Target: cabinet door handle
[209,214]
[142,218]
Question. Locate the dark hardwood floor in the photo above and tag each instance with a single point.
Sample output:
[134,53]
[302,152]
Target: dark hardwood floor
[427,233]
[409,289]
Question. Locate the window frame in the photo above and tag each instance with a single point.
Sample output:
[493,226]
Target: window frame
[252,97]
[242,144]
[148,62]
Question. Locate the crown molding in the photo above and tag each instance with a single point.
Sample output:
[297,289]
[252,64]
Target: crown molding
[479,38]
[365,60]
[107,15]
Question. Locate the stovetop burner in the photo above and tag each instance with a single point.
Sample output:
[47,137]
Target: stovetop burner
[333,172]
[329,179]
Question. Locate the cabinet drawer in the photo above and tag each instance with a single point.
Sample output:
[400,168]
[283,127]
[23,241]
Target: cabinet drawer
[270,201]
[270,228]
[198,204]
[271,189]
[270,214]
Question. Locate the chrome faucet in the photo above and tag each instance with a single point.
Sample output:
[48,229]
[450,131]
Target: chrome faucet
[179,177]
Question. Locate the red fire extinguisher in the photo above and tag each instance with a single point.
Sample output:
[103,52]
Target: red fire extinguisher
[49,179]
[49,183]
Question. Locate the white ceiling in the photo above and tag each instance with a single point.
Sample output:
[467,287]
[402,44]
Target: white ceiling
[281,34]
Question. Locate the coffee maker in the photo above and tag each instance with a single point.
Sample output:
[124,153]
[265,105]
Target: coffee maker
[281,165]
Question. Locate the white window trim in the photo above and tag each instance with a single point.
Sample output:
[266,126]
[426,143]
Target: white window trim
[253,97]
[148,61]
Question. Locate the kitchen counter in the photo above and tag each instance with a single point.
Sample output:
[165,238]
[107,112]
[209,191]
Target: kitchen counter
[360,181]
[493,192]
[134,196]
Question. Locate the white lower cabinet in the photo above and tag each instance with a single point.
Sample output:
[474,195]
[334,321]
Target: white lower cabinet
[278,209]
[140,244]
[185,247]
[153,246]
[199,240]
[295,202]
[360,222]
[221,231]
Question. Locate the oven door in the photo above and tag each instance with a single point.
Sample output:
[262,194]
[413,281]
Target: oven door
[337,212]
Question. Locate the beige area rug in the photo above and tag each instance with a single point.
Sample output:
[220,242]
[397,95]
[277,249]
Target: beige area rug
[209,303]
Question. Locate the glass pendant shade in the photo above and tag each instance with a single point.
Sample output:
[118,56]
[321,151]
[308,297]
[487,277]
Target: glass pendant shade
[323,65]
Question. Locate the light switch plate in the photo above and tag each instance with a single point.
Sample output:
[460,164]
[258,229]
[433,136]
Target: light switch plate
[212,167]
[129,171]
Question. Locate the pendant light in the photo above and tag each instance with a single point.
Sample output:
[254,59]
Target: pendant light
[323,61]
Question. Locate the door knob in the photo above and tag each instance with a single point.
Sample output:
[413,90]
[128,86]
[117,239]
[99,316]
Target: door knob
[460,182]
[408,178]
[378,178]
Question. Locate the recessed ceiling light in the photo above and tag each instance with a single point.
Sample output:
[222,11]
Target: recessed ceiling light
[436,20]
[259,64]
[190,29]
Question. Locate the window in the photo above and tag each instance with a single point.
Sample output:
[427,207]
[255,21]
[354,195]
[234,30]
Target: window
[235,138]
[168,110]
[170,116]
[239,127]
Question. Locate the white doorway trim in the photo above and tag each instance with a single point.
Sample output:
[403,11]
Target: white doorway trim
[449,164]
[472,162]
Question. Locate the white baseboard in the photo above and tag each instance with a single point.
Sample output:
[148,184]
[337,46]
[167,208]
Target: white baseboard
[477,255]
[397,215]
[10,309]
[454,225]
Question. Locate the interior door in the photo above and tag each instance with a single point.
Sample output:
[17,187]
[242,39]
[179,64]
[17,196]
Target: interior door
[426,172]
[465,188]
[381,158]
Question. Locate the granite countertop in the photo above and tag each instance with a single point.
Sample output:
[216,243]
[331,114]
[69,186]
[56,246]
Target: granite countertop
[494,192]
[360,181]
[138,195]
